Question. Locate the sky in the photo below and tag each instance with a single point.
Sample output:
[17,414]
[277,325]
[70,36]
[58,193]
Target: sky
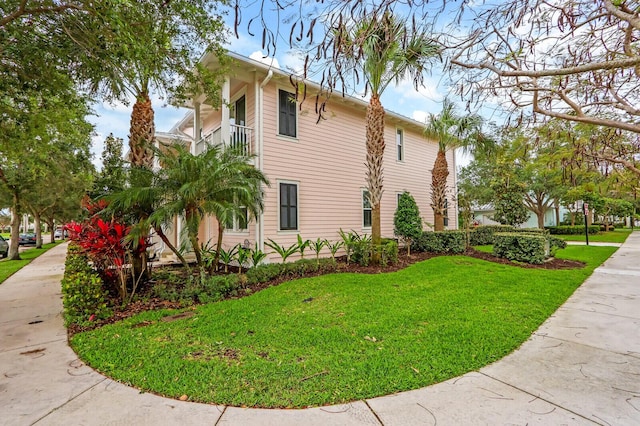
[401,98]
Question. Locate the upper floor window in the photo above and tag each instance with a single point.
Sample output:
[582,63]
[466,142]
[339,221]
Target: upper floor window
[400,144]
[366,209]
[288,206]
[287,110]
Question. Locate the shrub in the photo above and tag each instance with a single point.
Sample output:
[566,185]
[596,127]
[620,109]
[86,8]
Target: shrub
[406,220]
[207,289]
[388,252]
[450,241]
[572,230]
[534,231]
[483,235]
[521,247]
[361,252]
[555,244]
[83,293]
[263,273]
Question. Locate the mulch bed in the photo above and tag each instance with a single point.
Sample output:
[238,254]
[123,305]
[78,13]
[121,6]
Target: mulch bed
[145,303]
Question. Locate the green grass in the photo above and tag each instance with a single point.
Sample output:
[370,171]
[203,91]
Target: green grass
[10,267]
[339,337]
[486,249]
[615,236]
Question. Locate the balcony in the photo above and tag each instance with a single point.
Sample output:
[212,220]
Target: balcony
[240,139]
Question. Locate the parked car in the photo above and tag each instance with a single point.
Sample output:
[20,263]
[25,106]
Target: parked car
[60,233]
[4,247]
[27,239]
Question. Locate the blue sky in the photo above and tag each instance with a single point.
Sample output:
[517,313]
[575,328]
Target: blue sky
[402,99]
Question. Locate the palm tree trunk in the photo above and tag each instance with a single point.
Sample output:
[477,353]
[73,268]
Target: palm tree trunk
[439,176]
[218,244]
[375,153]
[142,131]
[141,134]
[175,251]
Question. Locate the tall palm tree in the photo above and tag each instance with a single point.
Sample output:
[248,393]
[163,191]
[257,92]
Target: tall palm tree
[383,50]
[451,131]
[216,182]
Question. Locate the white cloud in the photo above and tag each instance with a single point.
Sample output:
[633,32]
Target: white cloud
[429,91]
[260,57]
[97,146]
[293,62]
[421,116]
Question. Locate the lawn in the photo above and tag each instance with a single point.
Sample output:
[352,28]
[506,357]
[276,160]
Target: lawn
[340,337]
[615,236]
[10,267]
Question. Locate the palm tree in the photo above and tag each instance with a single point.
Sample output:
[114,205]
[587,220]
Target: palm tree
[383,50]
[218,181]
[450,131]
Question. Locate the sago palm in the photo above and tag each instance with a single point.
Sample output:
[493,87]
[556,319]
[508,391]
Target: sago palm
[451,131]
[382,50]
[214,182]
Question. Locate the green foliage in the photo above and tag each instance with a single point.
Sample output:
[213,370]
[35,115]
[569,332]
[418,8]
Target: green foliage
[228,256]
[317,246]
[207,289]
[406,220]
[302,245]
[388,249]
[521,247]
[483,235]
[572,230]
[257,256]
[83,294]
[509,208]
[268,272]
[361,248]
[112,177]
[263,273]
[284,252]
[348,239]
[449,241]
[242,256]
[333,247]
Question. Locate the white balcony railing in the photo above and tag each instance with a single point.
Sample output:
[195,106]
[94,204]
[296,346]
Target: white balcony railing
[240,139]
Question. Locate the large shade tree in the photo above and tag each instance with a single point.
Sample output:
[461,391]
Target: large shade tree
[451,131]
[380,49]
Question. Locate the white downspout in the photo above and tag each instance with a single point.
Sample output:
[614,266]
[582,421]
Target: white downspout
[260,112]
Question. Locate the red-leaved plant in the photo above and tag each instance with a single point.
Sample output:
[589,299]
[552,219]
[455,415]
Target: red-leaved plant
[105,244]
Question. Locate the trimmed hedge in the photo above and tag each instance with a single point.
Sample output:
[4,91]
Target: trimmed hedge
[521,247]
[84,297]
[483,235]
[450,241]
[572,230]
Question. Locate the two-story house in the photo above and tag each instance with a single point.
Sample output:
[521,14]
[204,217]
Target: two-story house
[316,169]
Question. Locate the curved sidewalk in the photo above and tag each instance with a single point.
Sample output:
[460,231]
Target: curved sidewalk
[582,366]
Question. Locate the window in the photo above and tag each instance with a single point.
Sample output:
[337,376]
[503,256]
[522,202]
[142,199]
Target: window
[366,209]
[446,212]
[288,206]
[238,221]
[287,120]
[400,144]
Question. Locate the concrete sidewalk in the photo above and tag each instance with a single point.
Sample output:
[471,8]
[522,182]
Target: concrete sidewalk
[582,366]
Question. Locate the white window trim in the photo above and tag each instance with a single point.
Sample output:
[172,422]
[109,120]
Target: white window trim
[297,184]
[236,230]
[278,135]
[395,139]
[364,228]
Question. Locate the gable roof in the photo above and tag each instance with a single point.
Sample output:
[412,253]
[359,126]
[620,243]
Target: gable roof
[246,63]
